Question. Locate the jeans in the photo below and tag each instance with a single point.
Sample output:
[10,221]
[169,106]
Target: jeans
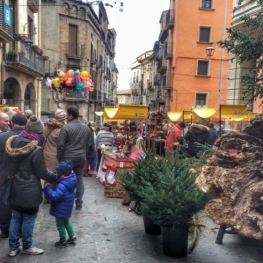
[62,226]
[78,164]
[21,223]
[93,161]
[5,209]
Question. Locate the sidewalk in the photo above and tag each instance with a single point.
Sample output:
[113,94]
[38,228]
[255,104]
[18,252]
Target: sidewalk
[108,233]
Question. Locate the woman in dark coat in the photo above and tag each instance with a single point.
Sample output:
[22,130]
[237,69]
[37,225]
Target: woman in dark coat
[198,133]
[25,163]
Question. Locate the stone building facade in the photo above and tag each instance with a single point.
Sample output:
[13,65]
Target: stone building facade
[22,64]
[77,37]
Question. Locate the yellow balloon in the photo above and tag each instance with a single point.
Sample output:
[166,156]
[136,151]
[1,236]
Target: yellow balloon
[56,82]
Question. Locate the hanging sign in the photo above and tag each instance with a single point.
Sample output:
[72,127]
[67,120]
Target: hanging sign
[7,14]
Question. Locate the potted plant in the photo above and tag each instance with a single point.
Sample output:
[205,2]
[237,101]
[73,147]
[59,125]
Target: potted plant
[46,57]
[11,55]
[145,171]
[172,203]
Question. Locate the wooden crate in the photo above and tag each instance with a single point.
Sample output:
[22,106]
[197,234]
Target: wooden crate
[115,191]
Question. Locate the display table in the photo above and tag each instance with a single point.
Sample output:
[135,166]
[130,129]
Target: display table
[122,165]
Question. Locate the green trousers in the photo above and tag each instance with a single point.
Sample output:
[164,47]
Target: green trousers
[62,226]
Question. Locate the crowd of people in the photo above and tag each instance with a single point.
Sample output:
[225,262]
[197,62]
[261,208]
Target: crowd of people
[61,152]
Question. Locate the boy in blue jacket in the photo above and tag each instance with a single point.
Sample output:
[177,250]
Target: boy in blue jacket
[62,201]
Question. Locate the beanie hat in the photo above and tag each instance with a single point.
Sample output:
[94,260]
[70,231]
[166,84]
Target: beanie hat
[64,168]
[9,112]
[35,125]
[60,115]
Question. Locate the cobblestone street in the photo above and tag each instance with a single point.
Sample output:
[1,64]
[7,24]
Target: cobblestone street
[108,233]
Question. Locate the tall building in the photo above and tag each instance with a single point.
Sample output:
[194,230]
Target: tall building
[76,36]
[236,70]
[21,58]
[190,77]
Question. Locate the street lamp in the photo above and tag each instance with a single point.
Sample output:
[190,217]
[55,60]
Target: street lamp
[210,51]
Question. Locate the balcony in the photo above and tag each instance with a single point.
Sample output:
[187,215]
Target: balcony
[108,73]
[26,61]
[100,63]
[161,66]
[33,5]
[93,58]
[163,35]
[70,96]
[168,51]
[167,81]
[170,20]
[74,51]
[6,24]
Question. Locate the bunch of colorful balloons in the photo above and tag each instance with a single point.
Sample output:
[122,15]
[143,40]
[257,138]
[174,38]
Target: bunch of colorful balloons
[80,83]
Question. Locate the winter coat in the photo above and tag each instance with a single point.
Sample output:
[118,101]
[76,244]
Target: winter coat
[213,135]
[62,198]
[26,165]
[51,134]
[197,134]
[172,136]
[104,137]
[4,175]
[89,153]
[73,141]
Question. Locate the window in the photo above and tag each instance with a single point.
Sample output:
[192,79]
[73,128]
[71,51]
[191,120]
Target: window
[206,4]
[65,9]
[202,68]
[82,13]
[200,100]
[204,34]
[74,11]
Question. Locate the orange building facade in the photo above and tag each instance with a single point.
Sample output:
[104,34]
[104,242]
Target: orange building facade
[197,80]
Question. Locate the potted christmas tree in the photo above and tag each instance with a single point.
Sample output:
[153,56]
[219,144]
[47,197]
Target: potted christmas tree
[172,203]
[145,171]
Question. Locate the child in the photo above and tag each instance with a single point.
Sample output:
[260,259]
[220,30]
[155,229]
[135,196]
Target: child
[62,201]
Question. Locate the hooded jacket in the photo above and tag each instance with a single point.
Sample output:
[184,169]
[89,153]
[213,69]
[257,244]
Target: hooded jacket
[26,166]
[197,134]
[51,134]
[62,198]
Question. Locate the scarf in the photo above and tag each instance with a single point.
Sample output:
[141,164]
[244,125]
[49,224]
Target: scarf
[33,136]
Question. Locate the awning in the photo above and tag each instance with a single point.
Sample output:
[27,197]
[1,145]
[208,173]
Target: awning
[175,115]
[204,113]
[232,111]
[126,112]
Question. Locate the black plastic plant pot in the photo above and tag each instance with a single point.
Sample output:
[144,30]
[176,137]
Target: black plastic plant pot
[175,241]
[150,227]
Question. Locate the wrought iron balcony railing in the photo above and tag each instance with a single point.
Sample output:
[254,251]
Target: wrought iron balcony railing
[74,51]
[168,51]
[26,61]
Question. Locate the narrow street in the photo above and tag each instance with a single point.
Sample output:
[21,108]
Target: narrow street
[108,233]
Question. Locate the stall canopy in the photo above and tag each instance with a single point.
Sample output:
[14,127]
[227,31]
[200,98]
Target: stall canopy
[237,112]
[126,112]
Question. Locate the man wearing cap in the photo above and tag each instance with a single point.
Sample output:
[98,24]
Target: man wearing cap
[18,123]
[73,144]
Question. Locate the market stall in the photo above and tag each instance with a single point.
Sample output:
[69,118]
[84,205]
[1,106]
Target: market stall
[116,160]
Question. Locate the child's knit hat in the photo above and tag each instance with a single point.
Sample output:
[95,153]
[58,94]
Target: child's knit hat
[64,168]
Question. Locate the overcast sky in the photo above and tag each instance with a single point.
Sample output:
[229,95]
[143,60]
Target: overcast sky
[137,29]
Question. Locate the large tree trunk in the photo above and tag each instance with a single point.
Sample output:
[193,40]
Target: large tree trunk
[235,181]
